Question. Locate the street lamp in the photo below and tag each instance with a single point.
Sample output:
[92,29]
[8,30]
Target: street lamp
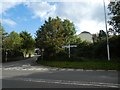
[108,51]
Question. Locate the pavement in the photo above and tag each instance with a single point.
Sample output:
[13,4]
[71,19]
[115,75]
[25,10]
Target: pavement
[28,74]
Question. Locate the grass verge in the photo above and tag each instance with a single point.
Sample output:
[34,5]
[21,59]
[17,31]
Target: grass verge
[87,64]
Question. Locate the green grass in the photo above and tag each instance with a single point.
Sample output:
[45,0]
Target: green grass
[88,64]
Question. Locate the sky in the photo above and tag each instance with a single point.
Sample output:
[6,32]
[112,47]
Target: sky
[29,15]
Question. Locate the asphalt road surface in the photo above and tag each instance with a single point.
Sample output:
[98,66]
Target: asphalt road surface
[27,74]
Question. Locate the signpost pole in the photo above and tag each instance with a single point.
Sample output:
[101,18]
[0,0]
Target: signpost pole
[69,50]
[69,47]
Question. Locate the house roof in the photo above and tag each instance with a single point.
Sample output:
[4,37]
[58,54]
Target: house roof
[85,32]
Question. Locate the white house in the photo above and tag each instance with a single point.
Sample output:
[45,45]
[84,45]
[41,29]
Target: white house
[86,36]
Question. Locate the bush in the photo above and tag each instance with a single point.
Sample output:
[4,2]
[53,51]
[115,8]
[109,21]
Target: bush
[100,48]
[85,51]
[115,47]
[12,55]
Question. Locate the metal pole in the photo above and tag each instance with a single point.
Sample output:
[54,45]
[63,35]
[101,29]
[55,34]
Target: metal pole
[108,51]
[6,56]
[69,50]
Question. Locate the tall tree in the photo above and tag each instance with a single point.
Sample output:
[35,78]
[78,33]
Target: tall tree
[114,8]
[28,43]
[1,31]
[12,41]
[69,31]
[3,34]
[53,34]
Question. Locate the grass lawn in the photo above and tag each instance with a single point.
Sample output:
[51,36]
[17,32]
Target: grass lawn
[87,64]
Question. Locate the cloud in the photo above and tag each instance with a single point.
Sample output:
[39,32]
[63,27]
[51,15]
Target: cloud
[6,6]
[87,15]
[42,10]
[91,26]
[8,22]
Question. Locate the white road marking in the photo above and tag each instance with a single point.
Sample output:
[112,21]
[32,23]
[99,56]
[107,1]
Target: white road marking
[28,67]
[99,70]
[80,83]
[112,70]
[89,70]
[79,70]
[62,69]
[70,69]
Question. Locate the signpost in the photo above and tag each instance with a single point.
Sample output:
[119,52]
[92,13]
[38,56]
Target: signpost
[69,46]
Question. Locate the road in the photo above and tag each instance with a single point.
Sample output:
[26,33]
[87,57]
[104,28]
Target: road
[27,74]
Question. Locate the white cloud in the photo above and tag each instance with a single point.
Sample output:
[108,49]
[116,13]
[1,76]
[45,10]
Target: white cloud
[6,6]
[91,26]
[8,22]
[42,10]
[87,15]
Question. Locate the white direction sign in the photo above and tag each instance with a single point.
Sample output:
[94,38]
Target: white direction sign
[69,46]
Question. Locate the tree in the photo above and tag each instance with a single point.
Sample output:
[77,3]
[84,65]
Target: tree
[102,35]
[11,45]
[114,8]
[3,34]
[53,34]
[95,38]
[69,30]
[28,43]
[1,31]
[12,41]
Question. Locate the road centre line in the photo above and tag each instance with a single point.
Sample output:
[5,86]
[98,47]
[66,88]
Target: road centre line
[53,69]
[99,84]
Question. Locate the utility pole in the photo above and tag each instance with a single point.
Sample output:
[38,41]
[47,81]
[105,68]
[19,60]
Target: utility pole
[108,51]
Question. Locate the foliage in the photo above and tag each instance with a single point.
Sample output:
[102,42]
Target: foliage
[83,50]
[2,32]
[86,64]
[28,43]
[16,45]
[115,46]
[100,48]
[12,41]
[3,35]
[99,37]
[114,8]
[54,34]
[102,35]
[11,45]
